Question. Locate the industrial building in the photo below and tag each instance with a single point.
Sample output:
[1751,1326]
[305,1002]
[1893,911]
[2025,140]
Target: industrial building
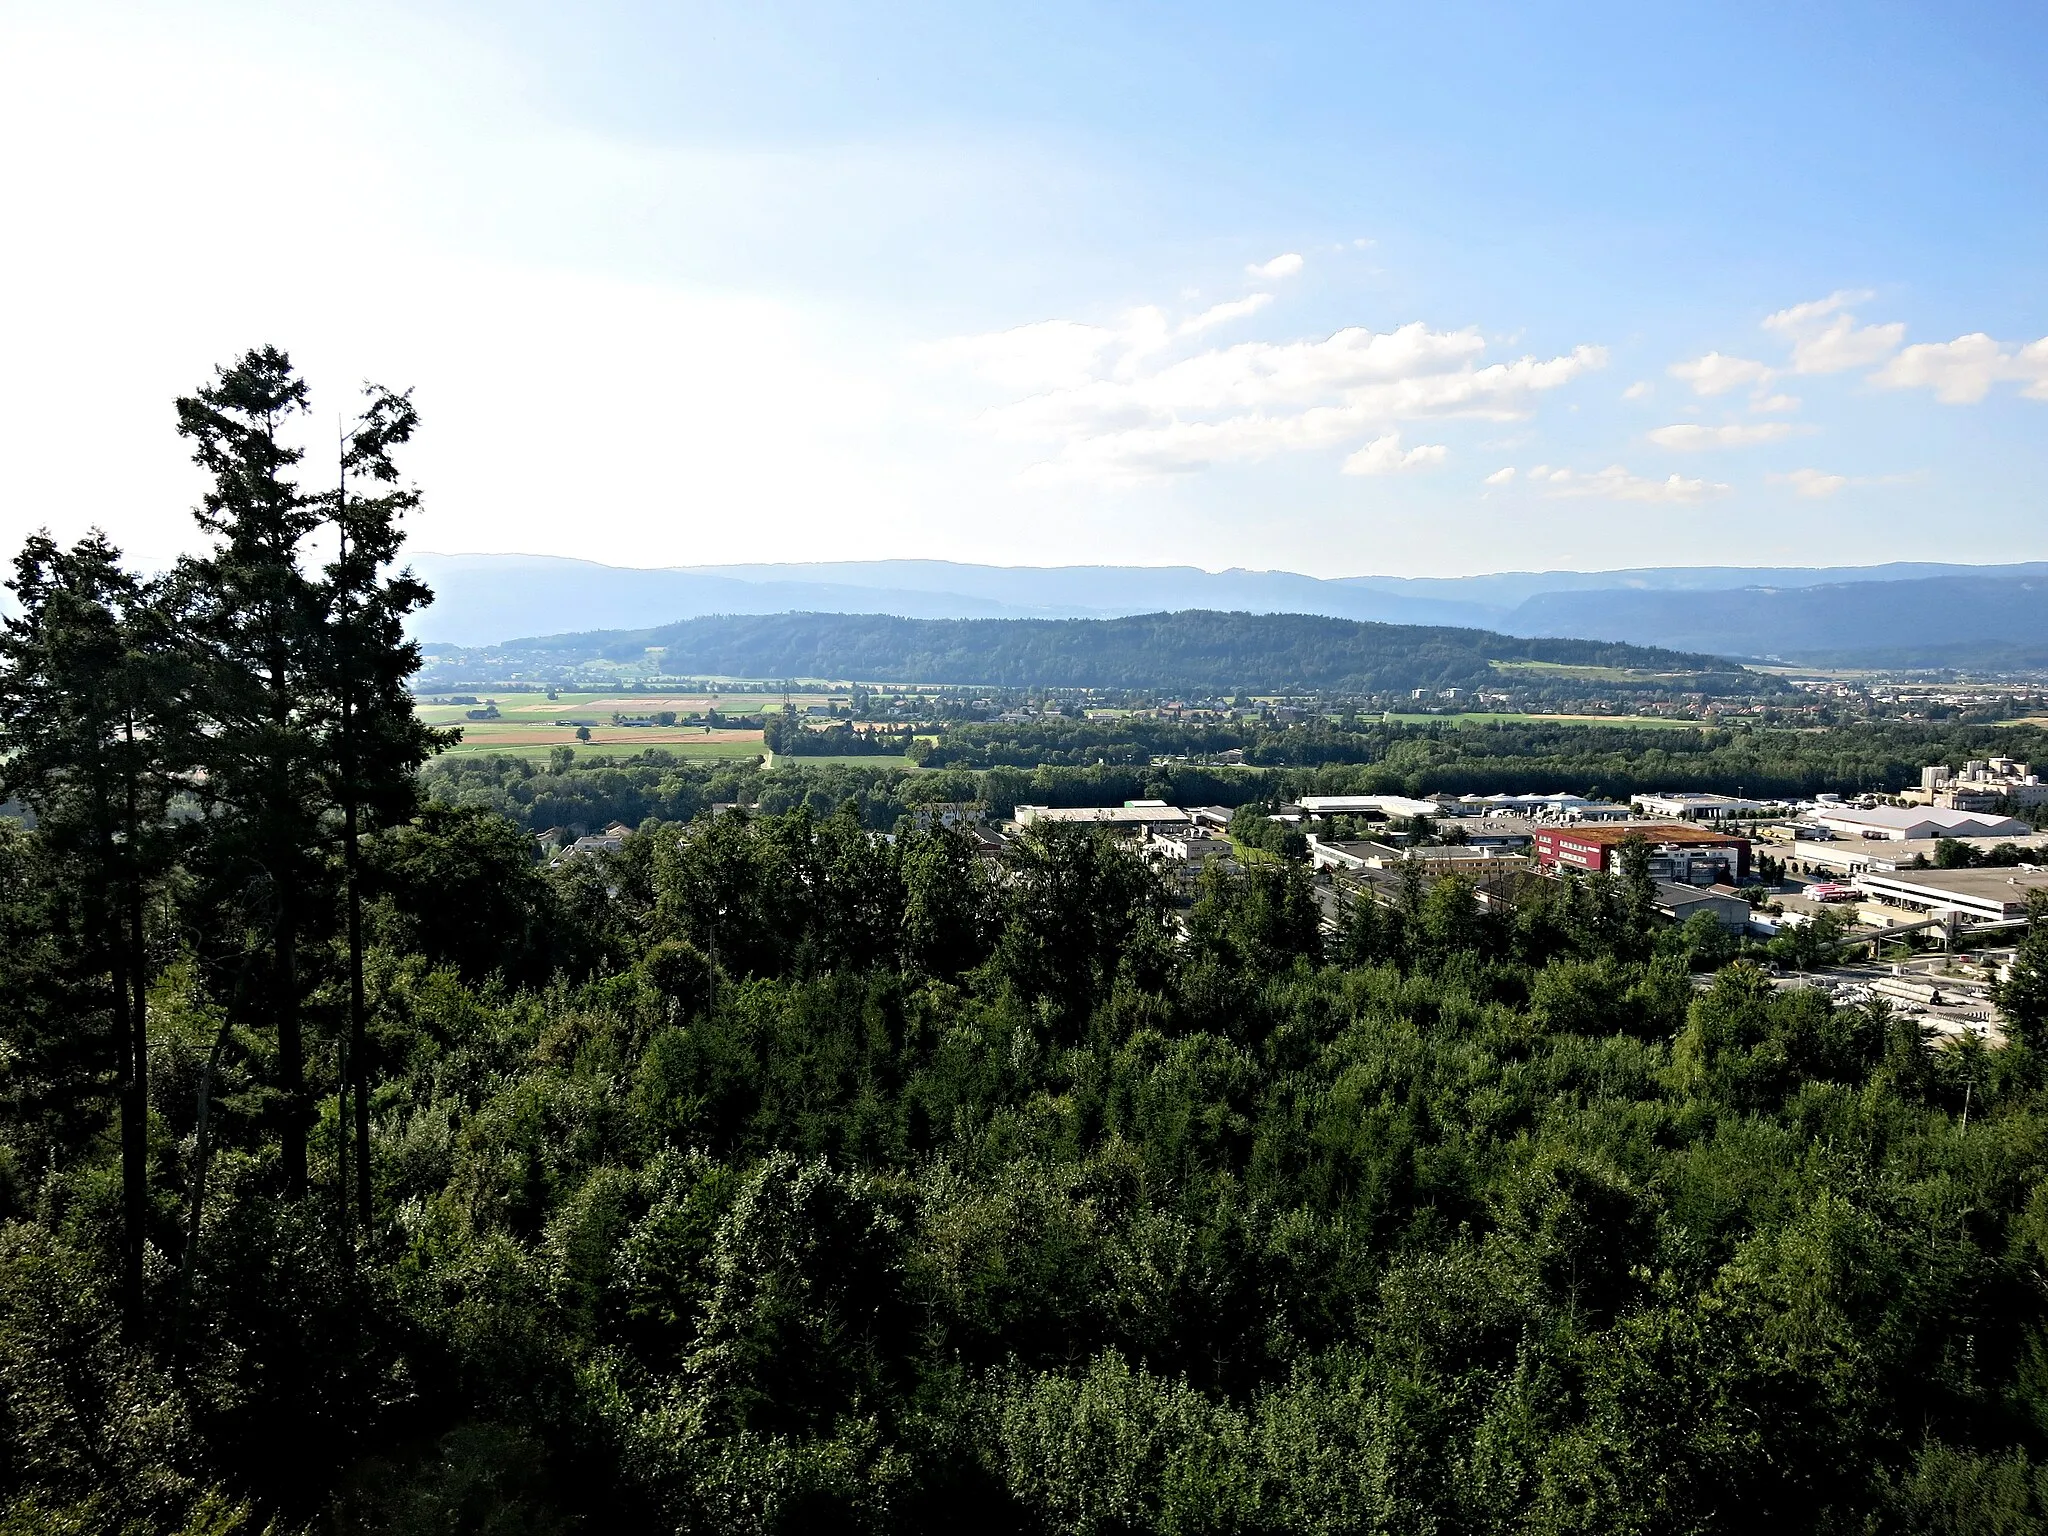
[1137,817]
[1685,805]
[1679,851]
[1567,806]
[1982,784]
[1679,902]
[1391,807]
[1977,895]
[1901,824]
[1476,862]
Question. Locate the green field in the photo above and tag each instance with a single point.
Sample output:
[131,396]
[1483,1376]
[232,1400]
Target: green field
[587,752]
[530,725]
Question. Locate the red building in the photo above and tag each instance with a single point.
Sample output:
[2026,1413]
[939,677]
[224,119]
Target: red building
[1671,844]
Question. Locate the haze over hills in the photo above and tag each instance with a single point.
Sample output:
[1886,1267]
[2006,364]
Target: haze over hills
[1899,614]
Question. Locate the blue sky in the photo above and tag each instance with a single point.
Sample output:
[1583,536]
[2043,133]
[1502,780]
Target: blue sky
[1408,290]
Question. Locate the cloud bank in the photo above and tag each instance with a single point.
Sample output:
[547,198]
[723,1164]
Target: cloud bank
[1131,402]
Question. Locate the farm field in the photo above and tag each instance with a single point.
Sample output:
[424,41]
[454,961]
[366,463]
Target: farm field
[531,725]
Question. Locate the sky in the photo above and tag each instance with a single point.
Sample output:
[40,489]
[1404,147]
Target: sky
[1353,289]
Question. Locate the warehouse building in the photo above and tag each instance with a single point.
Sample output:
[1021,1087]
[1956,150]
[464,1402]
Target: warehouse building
[1391,807]
[1139,818]
[1476,863]
[1977,895]
[1903,824]
[1679,902]
[1689,806]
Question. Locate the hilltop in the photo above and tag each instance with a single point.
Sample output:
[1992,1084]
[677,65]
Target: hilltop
[1194,651]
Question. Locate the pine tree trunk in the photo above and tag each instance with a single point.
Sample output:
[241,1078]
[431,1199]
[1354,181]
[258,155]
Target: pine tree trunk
[291,1055]
[135,1086]
[358,1050]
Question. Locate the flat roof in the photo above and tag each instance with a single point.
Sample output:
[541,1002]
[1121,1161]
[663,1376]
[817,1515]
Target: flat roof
[1696,797]
[1977,884]
[1386,805]
[1095,815]
[1611,833]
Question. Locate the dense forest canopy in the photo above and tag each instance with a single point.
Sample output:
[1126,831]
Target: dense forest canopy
[1192,651]
[359,1172]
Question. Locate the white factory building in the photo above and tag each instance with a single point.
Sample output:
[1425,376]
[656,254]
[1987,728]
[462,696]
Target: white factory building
[1888,823]
[1392,807]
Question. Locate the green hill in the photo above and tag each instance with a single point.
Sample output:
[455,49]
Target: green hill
[1193,651]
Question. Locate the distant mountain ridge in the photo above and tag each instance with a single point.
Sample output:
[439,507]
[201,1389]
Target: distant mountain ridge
[1193,650]
[1894,623]
[1897,615]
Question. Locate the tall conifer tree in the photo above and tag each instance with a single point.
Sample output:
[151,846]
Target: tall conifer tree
[375,740]
[255,622]
[91,740]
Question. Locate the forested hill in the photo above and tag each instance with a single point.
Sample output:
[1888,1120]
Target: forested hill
[1194,650]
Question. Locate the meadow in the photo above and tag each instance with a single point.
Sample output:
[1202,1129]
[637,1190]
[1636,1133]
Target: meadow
[531,725]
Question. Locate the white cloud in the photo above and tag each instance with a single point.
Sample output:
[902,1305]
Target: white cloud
[1813,482]
[1280,266]
[1717,373]
[1816,311]
[1503,476]
[1690,436]
[1961,372]
[1127,403]
[1642,389]
[1615,483]
[1820,484]
[1219,314]
[1045,354]
[1826,338]
[1775,403]
[1385,456]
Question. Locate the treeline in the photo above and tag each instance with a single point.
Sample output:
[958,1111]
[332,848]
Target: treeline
[1511,756]
[657,784]
[1412,760]
[1193,651]
[1065,742]
[786,733]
